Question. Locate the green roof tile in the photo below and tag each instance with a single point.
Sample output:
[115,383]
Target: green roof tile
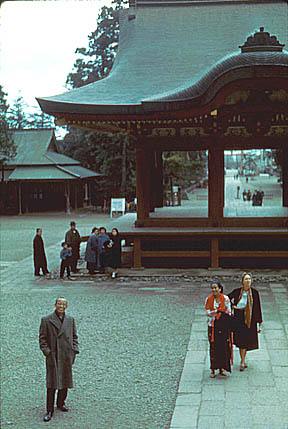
[168,48]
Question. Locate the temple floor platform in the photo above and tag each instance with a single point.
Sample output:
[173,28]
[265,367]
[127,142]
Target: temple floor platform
[201,247]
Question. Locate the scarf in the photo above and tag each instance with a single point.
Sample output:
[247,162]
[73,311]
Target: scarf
[248,308]
[210,306]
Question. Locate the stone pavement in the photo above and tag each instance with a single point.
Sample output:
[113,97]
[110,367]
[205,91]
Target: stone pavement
[251,399]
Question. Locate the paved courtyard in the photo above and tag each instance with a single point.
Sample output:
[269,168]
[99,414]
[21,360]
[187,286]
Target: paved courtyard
[144,359]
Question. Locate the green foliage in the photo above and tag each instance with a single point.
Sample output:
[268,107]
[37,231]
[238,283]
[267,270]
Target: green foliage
[184,167]
[102,48]
[7,146]
[111,155]
[17,117]
[104,154]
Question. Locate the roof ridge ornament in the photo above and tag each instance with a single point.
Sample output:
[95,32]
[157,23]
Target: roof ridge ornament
[261,41]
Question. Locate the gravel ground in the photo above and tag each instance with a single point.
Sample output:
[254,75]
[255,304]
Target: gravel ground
[54,227]
[133,345]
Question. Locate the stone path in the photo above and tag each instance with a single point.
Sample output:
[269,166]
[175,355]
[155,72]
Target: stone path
[252,399]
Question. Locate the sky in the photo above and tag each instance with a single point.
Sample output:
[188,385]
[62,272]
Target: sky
[38,40]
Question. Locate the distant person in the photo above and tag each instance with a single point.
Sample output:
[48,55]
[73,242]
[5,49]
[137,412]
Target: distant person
[244,195]
[114,252]
[102,238]
[249,195]
[247,179]
[255,200]
[59,343]
[65,256]
[238,192]
[72,238]
[39,255]
[260,196]
[91,253]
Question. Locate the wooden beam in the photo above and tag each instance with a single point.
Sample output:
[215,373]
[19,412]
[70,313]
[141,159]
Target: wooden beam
[140,172]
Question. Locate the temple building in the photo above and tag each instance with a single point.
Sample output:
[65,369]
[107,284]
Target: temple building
[39,178]
[208,76]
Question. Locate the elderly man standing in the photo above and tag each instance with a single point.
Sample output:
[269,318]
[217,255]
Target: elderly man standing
[59,343]
[72,238]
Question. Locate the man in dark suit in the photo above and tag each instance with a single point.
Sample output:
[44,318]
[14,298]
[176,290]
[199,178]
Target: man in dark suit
[40,260]
[59,343]
[73,239]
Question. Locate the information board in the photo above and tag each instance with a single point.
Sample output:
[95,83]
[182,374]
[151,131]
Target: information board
[118,205]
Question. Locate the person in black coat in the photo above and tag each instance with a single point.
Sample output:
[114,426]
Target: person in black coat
[115,252]
[247,312]
[39,256]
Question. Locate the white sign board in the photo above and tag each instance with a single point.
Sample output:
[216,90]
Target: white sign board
[118,205]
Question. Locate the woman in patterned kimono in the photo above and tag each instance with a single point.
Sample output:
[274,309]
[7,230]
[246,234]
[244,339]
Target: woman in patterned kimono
[247,313]
[218,310]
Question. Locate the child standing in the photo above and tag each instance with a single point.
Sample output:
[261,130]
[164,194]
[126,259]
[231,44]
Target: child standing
[65,256]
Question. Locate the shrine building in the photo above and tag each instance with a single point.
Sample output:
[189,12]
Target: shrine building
[205,75]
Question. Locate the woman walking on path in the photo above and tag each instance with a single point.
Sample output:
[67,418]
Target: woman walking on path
[218,310]
[247,312]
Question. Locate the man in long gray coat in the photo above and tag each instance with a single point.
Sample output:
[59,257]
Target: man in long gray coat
[59,343]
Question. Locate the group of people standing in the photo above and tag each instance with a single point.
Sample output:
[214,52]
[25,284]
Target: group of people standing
[233,318]
[256,198]
[103,251]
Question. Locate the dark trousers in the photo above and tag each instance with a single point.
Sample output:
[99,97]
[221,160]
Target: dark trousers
[37,269]
[65,264]
[61,396]
[74,258]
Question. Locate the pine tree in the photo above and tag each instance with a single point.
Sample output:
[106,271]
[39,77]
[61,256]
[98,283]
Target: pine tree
[7,146]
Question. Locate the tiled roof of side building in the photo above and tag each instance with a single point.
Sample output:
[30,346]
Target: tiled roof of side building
[167,48]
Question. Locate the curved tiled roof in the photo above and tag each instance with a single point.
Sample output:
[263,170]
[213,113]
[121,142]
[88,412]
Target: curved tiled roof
[228,64]
[165,50]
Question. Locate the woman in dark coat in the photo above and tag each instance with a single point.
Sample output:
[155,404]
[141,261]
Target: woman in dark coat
[114,260]
[218,310]
[247,312]
[91,253]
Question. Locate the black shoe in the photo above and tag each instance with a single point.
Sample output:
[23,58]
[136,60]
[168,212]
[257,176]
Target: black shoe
[48,416]
[63,408]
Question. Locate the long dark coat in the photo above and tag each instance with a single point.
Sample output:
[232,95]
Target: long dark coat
[244,337]
[72,237]
[92,249]
[39,256]
[59,343]
[115,252]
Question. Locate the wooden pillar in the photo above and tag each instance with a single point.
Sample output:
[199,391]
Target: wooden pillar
[137,253]
[76,194]
[285,177]
[142,186]
[214,253]
[19,199]
[215,186]
[159,180]
[67,196]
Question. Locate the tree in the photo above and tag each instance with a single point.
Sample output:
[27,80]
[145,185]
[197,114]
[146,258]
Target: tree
[111,155]
[104,153]
[102,48]
[7,146]
[39,119]
[17,116]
